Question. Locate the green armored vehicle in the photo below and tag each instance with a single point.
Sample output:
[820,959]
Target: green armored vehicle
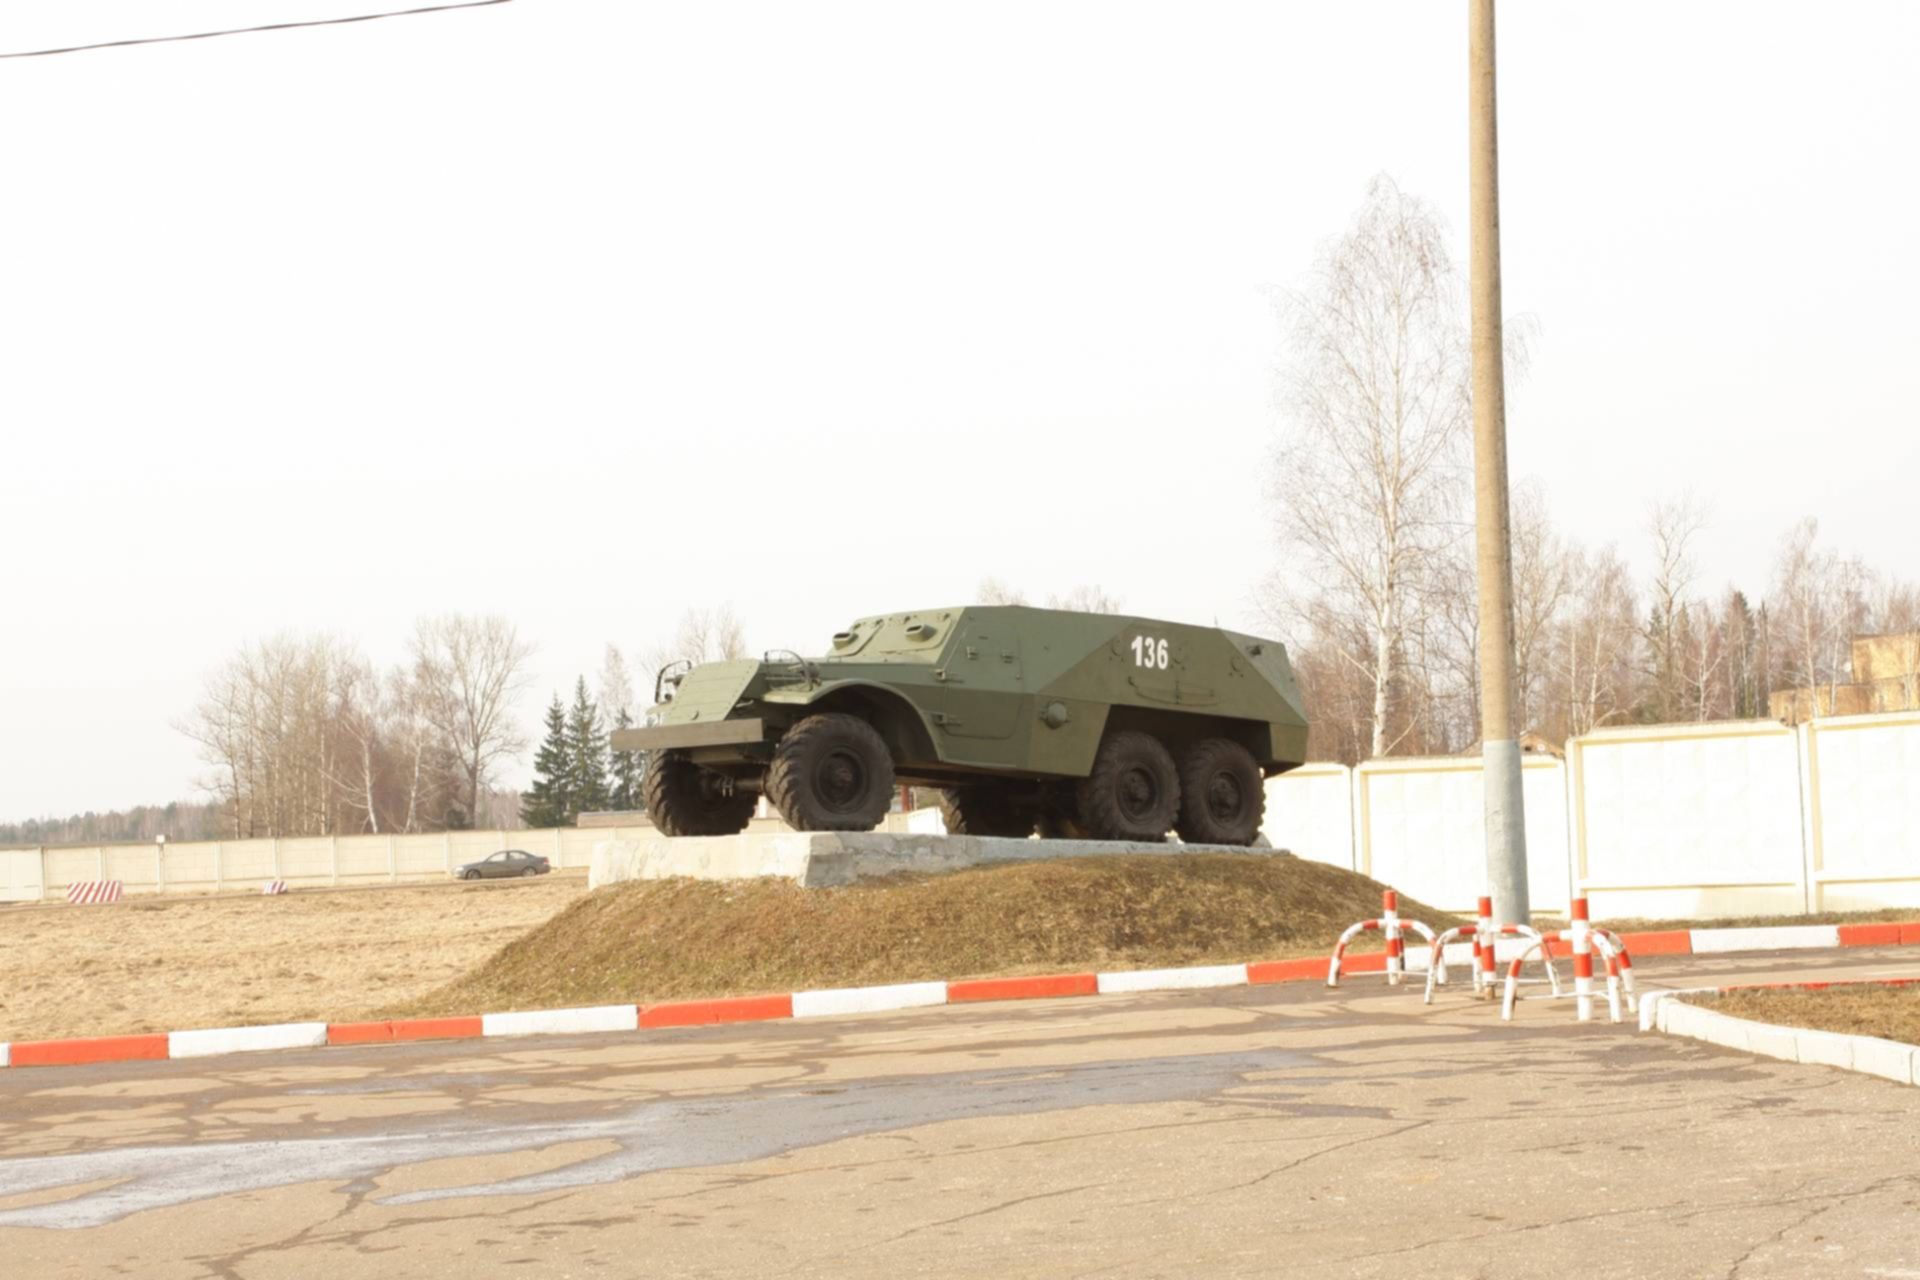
[1080,724]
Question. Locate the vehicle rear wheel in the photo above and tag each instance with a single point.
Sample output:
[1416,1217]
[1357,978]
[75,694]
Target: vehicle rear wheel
[685,800]
[1222,795]
[530,871]
[987,809]
[1133,792]
[831,772]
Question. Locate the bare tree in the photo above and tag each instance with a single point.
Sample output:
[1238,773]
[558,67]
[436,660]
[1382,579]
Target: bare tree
[702,635]
[616,685]
[1542,582]
[470,671]
[1089,598]
[994,591]
[359,718]
[1673,524]
[1595,658]
[1817,602]
[1371,473]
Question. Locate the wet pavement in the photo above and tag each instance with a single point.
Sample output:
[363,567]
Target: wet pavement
[1229,1132]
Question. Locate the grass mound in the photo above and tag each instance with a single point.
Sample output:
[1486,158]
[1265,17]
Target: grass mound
[677,939]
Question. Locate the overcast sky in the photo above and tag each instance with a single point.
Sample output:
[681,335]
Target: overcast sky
[583,312]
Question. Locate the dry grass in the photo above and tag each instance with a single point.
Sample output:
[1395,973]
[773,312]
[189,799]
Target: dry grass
[163,964]
[1860,1009]
[683,938]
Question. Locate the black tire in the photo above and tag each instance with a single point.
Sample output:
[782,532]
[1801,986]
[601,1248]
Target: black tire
[471,875]
[1133,792]
[1223,798]
[530,871]
[831,772]
[987,809]
[685,800]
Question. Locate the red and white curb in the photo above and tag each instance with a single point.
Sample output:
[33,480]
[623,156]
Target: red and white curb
[1889,1059]
[906,995]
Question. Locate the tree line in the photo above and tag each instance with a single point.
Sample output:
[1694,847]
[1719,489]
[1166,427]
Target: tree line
[303,736]
[1372,495]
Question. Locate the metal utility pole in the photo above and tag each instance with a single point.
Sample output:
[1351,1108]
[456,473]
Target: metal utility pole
[1506,816]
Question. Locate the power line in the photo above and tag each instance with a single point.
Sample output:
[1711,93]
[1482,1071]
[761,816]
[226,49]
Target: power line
[271,26]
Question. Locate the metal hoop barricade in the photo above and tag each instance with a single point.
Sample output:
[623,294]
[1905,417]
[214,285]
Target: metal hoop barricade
[1584,938]
[1389,924]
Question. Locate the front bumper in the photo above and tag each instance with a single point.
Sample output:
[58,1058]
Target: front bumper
[695,733]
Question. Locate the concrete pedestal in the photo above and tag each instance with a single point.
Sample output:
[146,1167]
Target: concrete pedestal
[820,859]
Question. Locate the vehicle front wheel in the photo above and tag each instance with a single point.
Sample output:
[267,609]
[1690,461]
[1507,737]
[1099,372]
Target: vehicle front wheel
[987,809]
[1133,792]
[471,875]
[831,772]
[1223,798]
[685,800]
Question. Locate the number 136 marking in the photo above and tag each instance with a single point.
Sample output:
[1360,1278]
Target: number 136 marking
[1149,653]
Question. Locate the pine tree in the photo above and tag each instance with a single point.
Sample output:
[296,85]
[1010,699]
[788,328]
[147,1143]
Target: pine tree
[625,793]
[549,800]
[586,748]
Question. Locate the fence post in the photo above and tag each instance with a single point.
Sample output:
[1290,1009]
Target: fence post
[393,863]
[100,862]
[219,867]
[1811,898]
[43,873]
[160,865]
[448,837]
[336,857]
[276,856]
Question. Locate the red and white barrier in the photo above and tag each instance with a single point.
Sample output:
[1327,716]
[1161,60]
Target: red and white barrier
[1486,941]
[272,887]
[88,893]
[1584,938]
[1390,924]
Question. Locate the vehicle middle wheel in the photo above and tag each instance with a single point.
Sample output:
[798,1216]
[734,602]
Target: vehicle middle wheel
[1223,797]
[684,799]
[831,772]
[987,809]
[1133,792]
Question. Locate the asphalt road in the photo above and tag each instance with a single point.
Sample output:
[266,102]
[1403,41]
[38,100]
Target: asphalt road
[1247,1131]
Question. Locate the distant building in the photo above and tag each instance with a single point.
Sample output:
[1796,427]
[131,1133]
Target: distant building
[1886,677]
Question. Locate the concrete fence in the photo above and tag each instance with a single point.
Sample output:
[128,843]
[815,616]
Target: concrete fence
[215,865]
[212,866]
[1736,818]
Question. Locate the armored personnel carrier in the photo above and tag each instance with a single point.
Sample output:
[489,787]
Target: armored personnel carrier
[1083,725]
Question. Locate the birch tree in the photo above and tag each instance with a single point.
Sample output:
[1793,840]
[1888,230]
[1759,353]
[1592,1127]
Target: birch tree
[470,671]
[1370,474]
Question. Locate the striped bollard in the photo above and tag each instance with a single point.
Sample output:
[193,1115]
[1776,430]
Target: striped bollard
[1582,962]
[1390,926]
[1483,980]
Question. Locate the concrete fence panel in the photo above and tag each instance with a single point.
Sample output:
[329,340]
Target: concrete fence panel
[1423,828]
[1863,811]
[1689,820]
[1310,811]
[20,878]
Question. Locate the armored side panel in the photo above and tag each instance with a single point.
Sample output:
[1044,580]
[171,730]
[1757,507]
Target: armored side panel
[1001,690]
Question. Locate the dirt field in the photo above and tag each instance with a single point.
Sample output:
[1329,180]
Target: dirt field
[1859,1009]
[160,964]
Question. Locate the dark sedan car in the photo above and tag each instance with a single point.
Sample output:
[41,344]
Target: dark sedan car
[508,862]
